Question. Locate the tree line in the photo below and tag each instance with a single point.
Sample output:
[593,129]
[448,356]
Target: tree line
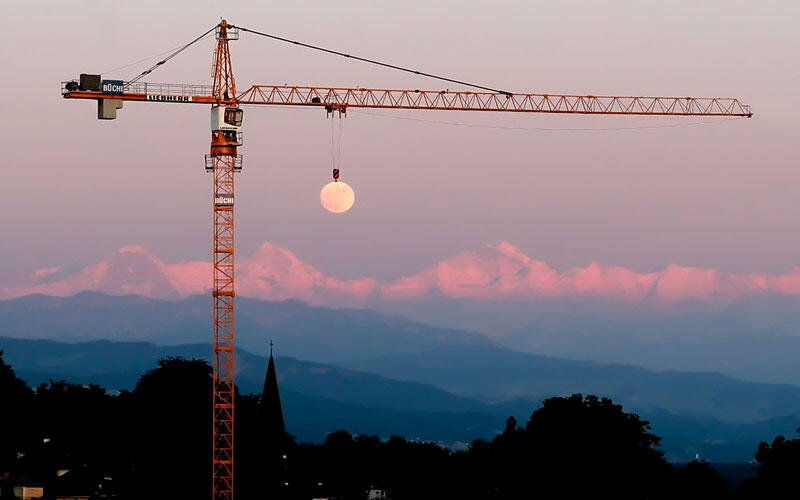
[155,441]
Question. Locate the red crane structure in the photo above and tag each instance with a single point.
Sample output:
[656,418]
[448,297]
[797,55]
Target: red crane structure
[223,161]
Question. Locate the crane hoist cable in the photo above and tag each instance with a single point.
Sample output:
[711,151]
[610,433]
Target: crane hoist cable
[134,63]
[336,145]
[373,61]
[161,62]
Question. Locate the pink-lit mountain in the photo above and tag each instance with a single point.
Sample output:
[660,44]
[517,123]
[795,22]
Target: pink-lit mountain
[493,273]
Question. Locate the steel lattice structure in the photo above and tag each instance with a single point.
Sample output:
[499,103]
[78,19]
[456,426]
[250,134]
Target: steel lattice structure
[224,335]
[224,162]
[223,156]
[342,98]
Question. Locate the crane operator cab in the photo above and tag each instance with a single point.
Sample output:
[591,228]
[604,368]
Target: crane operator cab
[226,133]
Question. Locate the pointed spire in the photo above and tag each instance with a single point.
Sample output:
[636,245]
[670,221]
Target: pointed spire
[271,402]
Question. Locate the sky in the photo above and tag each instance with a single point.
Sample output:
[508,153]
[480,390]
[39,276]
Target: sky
[722,195]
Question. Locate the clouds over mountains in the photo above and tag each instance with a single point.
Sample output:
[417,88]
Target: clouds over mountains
[501,272]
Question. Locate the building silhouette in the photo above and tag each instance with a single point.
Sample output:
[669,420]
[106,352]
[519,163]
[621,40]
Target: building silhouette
[271,409]
[275,441]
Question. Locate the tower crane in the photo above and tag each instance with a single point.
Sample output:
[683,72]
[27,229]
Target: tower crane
[223,161]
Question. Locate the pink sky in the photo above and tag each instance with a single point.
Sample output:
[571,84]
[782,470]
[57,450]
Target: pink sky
[722,196]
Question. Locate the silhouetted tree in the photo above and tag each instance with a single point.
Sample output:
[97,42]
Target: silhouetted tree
[16,427]
[587,447]
[777,468]
[155,442]
[700,481]
[173,428]
[416,469]
[510,463]
[479,472]
[341,463]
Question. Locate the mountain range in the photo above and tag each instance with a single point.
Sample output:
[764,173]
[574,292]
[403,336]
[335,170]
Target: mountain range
[757,340]
[495,272]
[679,318]
[312,333]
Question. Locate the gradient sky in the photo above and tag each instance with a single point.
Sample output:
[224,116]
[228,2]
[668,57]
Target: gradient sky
[723,195]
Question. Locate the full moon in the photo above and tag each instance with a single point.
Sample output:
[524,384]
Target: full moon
[337,197]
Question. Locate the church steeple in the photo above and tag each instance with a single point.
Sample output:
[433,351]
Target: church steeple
[274,441]
[271,408]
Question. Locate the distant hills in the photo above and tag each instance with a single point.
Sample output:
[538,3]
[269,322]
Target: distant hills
[319,398]
[312,333]
[118,365]
[461,362]
[756,340]
[497,375]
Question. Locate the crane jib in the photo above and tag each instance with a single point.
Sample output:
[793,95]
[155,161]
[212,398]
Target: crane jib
[344,98]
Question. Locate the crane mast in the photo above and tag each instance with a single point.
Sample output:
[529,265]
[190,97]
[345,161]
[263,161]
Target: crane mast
[223,162]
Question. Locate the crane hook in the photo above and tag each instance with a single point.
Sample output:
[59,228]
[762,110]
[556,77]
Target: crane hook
[335,175]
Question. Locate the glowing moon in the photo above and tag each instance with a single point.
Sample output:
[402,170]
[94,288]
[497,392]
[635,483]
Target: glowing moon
[337,197]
